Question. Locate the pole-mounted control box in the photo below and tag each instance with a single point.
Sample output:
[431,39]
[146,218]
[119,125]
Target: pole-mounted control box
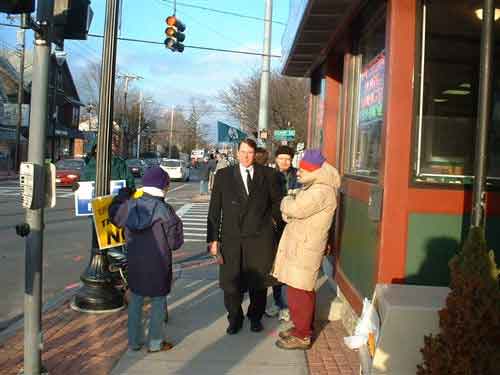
[32,183]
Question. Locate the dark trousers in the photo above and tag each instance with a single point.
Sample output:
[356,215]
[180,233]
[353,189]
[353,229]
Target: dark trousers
[233,301]
[302,304]
[278,296]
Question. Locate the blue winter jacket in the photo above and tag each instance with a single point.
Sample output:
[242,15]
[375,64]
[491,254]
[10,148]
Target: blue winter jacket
[153,231]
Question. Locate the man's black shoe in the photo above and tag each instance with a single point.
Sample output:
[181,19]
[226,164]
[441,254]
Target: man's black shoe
[233,328]
[256,326]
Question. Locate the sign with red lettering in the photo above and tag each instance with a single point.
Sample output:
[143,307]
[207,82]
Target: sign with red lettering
[371,100]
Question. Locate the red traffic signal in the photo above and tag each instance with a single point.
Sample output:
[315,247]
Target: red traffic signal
[174,33]
[175,22]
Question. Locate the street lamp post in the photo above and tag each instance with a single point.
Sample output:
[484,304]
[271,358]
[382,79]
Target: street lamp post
[98,294]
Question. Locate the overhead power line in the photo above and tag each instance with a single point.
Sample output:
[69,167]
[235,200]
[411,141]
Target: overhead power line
[222,12]
[186,46]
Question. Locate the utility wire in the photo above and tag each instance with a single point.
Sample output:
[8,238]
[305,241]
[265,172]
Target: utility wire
[186,46]
[223,12]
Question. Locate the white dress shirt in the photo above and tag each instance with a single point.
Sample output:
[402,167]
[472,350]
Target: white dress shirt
[243,171]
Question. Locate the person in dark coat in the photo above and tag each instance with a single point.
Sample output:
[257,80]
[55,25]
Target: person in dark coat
[153,231]
[244,201]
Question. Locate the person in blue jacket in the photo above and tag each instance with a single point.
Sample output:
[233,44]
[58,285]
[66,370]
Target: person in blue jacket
[153,231]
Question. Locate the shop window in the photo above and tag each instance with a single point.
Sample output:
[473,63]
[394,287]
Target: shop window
[367,97]
[318,92]
[447,93]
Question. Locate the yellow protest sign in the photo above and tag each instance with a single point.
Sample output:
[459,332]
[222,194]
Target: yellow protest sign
[108,235]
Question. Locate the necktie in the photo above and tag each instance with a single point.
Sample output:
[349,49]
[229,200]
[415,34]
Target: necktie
[249,181]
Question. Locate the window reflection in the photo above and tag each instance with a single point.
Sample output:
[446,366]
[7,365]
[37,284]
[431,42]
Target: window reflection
[448,97]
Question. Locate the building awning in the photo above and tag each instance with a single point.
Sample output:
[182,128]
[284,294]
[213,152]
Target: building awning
[309,31]
[62,131]
[8,134]
[73,101]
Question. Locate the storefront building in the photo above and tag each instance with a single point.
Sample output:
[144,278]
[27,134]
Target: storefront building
[394,98]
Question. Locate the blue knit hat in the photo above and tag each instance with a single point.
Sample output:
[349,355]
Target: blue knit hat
[311,160]
[156,177]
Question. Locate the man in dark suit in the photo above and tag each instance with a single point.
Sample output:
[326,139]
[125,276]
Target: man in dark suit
[244,201]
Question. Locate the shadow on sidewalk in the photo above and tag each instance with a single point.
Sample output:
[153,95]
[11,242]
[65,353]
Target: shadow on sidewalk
[197,327]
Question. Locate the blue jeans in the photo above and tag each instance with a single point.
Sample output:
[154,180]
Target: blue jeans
[203,187]
[135,328]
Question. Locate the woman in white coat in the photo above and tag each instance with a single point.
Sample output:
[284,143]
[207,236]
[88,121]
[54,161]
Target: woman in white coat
[309,216]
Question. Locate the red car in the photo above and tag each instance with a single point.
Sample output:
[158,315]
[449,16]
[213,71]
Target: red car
[68,171]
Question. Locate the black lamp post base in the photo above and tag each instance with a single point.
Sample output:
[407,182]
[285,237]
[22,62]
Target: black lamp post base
[98,293]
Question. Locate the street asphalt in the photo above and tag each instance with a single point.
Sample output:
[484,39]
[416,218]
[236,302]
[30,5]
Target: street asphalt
[66,245]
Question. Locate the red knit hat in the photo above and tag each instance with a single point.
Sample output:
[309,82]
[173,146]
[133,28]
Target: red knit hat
[312,160]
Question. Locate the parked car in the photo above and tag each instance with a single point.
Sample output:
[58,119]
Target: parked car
[136,167]
[152,162]
[68,171]
[176,169]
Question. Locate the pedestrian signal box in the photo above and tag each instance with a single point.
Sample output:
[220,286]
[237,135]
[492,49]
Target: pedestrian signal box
[32,183]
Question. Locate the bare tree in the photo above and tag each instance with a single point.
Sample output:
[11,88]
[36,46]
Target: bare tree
[288,103]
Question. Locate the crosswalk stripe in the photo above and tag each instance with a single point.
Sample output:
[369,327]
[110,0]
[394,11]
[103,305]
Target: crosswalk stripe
[194,220]
[195,229]
[195,234]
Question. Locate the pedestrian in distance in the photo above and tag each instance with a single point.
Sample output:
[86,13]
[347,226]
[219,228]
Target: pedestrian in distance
[309,215]
[153,231]
[119,169]
[212,166]
[243,203]
[289,183]
[205,170]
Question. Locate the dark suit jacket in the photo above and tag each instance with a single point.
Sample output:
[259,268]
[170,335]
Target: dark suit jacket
[244,226]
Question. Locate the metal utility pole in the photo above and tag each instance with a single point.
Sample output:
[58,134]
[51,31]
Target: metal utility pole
[124,126]
[97,293]
[20,92]
[171,132]
[484,114]
[34,217]
[139,127]
[266,65]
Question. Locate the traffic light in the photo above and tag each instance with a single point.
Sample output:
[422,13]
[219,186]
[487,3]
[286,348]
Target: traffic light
[17,6]
[174,33]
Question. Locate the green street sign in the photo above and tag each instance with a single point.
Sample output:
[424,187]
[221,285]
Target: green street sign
[284,135]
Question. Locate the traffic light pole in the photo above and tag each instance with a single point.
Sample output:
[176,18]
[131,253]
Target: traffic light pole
[98,294]
[266,64]
[34,217]
[484,114]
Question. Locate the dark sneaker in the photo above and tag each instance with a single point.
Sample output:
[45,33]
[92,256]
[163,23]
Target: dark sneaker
[294,343]
[256,326]
[234,328]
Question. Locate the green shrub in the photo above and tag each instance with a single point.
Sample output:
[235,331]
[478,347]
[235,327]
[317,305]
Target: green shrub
[469,340]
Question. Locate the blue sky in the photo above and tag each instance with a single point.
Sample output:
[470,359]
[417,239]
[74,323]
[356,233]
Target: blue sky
[172,78]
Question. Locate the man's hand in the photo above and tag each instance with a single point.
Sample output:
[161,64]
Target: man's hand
[328,250]
[213,248]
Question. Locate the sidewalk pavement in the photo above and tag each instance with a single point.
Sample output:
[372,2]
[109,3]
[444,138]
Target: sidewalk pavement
[78,343]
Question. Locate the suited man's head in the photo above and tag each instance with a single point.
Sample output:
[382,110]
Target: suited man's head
[246,152]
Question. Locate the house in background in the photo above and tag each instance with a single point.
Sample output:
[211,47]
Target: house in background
[9,86]
[64,112]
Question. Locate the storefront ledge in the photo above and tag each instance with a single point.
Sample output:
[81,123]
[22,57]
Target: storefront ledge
[338,307]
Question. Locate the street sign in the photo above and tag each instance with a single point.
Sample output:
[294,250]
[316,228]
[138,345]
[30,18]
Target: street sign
[284,135]
[108,235]
[85,194]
